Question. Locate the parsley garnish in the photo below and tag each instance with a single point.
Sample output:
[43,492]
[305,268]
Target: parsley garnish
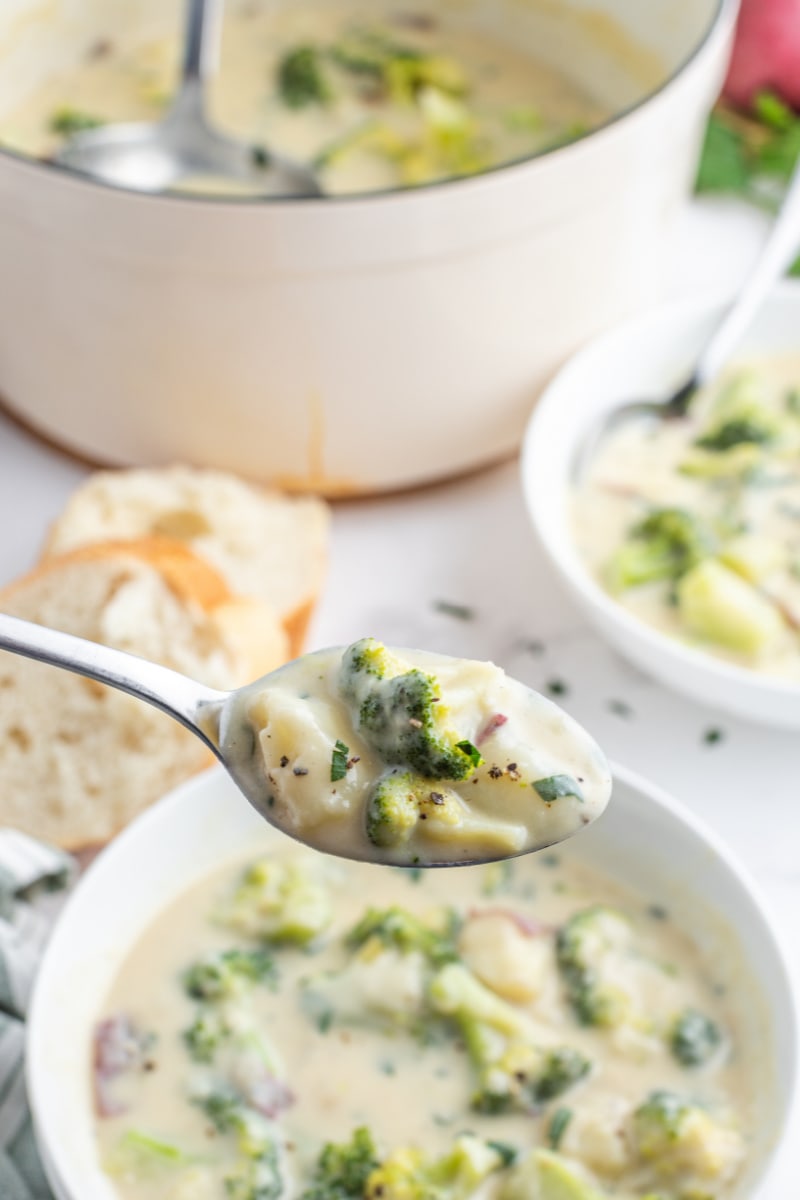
[558,1126]
[339,761]
[462,612]
[557,786]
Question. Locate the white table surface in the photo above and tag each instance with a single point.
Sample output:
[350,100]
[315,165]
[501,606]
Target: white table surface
[468,542]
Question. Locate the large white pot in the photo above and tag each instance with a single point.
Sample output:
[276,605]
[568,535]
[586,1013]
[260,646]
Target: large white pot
[350,344]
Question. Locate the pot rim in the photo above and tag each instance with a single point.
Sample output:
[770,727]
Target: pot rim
[719,24]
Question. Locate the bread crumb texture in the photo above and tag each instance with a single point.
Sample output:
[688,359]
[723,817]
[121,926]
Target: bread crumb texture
[79,760]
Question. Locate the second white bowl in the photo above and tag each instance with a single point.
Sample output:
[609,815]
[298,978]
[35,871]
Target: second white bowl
[646,359]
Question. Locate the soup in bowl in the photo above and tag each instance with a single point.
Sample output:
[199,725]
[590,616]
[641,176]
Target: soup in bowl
[252,1015]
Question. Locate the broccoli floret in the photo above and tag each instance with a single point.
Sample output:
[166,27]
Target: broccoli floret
[399,712]
[67,121]
[512,1071]
[399,70]
[738,432]
[545,1175]
[279,901]
[206,1035]
[301,78]
[342,1170]
[665,545]
[582,948]
[741,415]
[678,1140]
[384,983]
[220,976]
[410,1174]
[258,1178]
[694,1038]
[399,929]
[400,800]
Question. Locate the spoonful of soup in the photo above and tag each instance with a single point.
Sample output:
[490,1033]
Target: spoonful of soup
[392,756]
[184,151]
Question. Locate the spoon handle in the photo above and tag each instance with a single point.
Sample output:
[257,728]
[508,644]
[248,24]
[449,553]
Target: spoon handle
[175,694]
[778,252]
[201,35]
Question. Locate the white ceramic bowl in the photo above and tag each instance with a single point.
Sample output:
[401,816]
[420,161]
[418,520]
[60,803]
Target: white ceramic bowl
[643,359]
[343,345]
[644,839]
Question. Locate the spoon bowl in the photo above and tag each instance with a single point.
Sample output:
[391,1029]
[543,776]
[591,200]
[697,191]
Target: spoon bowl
[324,803]
[184,150]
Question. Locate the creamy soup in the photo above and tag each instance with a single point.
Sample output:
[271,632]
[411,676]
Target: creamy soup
[411,757]
[522,1031]
[374,101]
[694,525]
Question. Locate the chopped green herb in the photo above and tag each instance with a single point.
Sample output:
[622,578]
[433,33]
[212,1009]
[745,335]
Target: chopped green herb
[260,156]
[67,121]
[620,709]
[472,752]
[462,612]
[301,79]
[558,1126]
[557,786]
[657,912]
[386,1067]
[339,761]
[557,687]
[713,736]
[414,874]
[532,646]
[793,400]
[550,860]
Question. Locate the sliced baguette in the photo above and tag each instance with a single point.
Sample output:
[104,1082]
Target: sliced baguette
[79,760]
[266,545]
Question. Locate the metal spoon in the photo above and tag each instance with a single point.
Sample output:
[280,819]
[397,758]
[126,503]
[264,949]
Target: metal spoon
[184,145]
[216,718]
[778,252]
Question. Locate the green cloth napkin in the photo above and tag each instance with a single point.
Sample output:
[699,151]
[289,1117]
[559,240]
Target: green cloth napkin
[33,879]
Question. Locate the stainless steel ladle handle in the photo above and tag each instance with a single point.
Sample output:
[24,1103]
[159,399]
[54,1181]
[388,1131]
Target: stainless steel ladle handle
[779,250]
[201,38]
[175,694]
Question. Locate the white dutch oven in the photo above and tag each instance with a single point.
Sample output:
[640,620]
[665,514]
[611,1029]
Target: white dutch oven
[351,344]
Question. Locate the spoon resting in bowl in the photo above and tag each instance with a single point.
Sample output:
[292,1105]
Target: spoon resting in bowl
[398,757]
[184,150]
[779,250]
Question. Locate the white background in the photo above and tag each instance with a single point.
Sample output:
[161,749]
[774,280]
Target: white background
[469,543]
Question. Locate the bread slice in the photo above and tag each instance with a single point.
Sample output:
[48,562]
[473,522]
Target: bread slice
[78,760]
[265,544]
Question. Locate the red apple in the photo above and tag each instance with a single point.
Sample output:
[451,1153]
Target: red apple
[766,52]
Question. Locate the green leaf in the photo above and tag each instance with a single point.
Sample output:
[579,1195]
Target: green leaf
[724,165]
[339,761]
[554,787]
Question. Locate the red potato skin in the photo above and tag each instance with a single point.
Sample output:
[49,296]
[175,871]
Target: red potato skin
[766,52]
